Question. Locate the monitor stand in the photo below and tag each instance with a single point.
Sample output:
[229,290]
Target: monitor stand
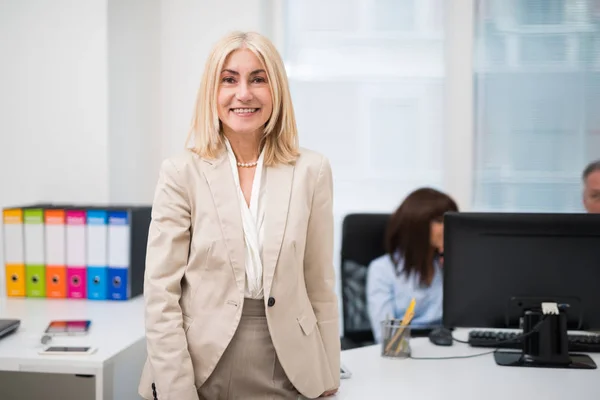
[545,346]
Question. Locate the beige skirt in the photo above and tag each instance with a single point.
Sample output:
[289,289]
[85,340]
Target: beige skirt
[249,368]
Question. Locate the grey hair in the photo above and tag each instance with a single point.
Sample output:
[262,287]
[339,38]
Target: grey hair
[591,167]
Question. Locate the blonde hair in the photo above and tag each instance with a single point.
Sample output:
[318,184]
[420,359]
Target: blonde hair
[280,137]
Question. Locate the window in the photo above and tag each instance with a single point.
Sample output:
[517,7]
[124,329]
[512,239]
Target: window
[537,79]
[367,84]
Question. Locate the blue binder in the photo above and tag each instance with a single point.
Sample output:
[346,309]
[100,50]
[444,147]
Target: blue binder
[127,241]
[97,254]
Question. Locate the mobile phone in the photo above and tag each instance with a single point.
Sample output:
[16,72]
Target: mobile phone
[62,350]
[69,328]
[344,372]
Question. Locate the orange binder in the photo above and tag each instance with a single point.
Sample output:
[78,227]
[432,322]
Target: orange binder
[56,263]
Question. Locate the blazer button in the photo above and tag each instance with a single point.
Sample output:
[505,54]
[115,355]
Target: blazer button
[271,301]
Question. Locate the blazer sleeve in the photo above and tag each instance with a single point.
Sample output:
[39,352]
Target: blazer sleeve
[318,268]
[166,260]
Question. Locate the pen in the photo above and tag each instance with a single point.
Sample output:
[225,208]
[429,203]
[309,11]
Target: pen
[401,340]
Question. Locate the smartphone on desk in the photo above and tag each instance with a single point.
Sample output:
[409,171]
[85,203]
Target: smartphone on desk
[68,328]
[71,350]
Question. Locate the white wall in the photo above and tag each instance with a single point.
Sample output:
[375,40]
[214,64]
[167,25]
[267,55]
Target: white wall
[133,99]
[53,102]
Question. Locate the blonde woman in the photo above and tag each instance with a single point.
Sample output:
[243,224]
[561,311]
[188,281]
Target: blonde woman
[239,284]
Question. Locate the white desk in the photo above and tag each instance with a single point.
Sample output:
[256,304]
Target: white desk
[117,331]
[374,377]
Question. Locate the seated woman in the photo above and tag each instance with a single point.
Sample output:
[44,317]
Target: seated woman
[412,267]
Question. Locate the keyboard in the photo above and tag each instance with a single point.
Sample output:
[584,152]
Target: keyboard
[497,339]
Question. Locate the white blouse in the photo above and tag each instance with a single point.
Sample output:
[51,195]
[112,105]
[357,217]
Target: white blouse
[253,217]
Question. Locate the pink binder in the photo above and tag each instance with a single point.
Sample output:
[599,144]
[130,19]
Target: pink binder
[76,258]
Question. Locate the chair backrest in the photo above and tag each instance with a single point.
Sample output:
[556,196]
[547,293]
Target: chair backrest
[362,242]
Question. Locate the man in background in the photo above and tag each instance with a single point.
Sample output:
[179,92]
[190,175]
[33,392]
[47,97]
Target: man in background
[591,187]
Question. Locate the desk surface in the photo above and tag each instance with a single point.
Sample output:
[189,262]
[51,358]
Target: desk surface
[116,325]
[374,377]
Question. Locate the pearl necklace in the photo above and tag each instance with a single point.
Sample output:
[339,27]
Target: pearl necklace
[247,165]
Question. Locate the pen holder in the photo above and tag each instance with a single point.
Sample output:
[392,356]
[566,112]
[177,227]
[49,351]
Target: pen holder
[395,339]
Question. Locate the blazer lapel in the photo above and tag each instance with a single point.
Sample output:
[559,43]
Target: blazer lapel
[224,192]
[279,188]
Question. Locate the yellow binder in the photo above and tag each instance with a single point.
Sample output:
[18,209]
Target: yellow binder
[14,252]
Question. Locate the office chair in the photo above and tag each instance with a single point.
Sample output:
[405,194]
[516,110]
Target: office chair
[362,242]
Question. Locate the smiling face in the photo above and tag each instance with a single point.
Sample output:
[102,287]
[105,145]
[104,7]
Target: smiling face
[591,193]
[244,97]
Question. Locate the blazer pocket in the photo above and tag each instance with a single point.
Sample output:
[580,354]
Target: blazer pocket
[187,321]
[307,323]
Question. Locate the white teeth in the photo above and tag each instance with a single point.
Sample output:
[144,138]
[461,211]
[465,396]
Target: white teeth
[244,110]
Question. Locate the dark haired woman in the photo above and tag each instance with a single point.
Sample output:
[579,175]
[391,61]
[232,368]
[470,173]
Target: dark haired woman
[412,266]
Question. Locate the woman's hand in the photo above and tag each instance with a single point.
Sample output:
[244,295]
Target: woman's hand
[329,393]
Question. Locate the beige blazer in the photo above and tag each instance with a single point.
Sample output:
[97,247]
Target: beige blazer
[195,274]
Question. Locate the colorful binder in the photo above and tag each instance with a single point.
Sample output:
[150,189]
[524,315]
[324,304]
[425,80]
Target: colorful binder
[79,252]
[14,252]
[35,266]
[119,234]
[97,254]
[127,240]
[56,257]
[76,259]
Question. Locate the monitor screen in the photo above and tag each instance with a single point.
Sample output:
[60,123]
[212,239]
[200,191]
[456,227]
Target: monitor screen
[492,258]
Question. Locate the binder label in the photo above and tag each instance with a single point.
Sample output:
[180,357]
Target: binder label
[34,216]
[118,239]
[97,237]
[76,238]
[14,248]
[14,216]
[55,238]
[118,218]
[34,236]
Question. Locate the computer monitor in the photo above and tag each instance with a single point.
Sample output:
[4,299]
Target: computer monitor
[492,258]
